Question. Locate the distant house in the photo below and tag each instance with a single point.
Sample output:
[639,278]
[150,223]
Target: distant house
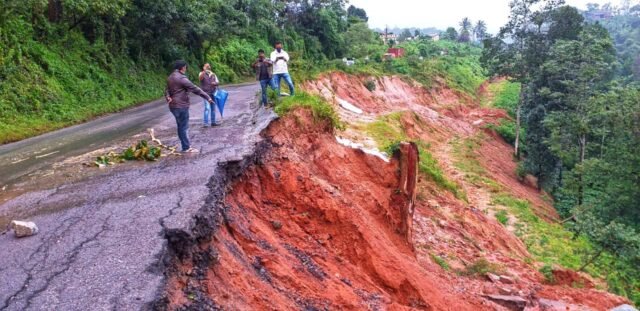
[434,37]
[396,52]
[598,15]
[388,36]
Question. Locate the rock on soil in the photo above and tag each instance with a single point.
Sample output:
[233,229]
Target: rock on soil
[493,278]
[553,305]
[510,302]
[24,228]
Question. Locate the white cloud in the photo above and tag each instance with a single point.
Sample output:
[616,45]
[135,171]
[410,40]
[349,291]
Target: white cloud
[442,13]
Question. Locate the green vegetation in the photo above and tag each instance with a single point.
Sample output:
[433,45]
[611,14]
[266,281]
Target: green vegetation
[141,151]
[466,161]
[456,63]
[505,95]
[549,243]
[578,107]
[388,132]
[429,166]
[321,110]
[481,267]
[63,62]
[441,262]
[502,216]
[547,272]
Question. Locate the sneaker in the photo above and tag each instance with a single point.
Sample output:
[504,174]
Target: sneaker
[205,125]
[191,150]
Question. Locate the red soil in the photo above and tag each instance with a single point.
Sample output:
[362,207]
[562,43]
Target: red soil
[320,226]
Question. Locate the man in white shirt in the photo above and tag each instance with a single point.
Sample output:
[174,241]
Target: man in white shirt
[280,60]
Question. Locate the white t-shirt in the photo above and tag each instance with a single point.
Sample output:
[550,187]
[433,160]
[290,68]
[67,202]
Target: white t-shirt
[280,66]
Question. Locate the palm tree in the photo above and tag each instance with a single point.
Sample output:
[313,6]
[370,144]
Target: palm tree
[465,30]
[480,30]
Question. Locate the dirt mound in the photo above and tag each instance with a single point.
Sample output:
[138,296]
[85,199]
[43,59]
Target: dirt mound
[316,226]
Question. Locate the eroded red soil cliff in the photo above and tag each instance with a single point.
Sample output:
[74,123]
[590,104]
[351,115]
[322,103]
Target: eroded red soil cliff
[315,225]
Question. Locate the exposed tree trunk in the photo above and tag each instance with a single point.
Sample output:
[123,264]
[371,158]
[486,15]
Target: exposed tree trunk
[518,119]
[55,11]
[573,217]
[594,258]
[583,147]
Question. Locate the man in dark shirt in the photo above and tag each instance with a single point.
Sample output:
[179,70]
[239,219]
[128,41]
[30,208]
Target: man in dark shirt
[209,83]
[177,95]
[263,67]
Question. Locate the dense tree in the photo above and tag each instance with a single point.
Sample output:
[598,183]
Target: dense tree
[450,34]
[404,35]
[353,11]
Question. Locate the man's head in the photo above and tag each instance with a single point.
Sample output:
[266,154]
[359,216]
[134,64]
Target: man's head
[206,67]
[180,65]
[278,46]
[261,53]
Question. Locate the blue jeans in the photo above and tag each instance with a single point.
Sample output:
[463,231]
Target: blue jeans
[182,120]
[287,78]
[264,84]
[209,109]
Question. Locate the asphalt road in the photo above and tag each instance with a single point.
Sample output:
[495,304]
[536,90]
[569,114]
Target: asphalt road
[101,243]
[25,157]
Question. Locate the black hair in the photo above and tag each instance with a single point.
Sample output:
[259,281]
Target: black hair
[277,42]
[179,64]
[260,51]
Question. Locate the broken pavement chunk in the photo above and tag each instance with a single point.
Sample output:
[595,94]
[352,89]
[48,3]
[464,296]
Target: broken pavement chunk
[24,228]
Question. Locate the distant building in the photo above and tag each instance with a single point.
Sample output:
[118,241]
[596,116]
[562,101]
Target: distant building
[396,52]
[434,37]
[387,36]
[598,15]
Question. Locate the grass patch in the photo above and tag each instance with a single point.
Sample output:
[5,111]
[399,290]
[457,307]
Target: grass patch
[503,217]
[321,110]
[503,95]
[441,262]
[481,267]
[430,167]
[466,161]
[388,132]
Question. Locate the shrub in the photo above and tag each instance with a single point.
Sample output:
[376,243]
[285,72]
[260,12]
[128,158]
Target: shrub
[481,267]
[441,262]
[319,107]
[370,85]
[502,217]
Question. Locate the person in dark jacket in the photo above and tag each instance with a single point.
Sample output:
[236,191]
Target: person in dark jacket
[177,95]
[264,72]
[209,83]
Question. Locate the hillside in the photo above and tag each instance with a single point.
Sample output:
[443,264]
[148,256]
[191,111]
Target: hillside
[316,224]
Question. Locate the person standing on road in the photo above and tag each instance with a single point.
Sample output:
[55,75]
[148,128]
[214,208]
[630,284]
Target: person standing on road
[177,95]
[280,60]
[264,73]
[208,83]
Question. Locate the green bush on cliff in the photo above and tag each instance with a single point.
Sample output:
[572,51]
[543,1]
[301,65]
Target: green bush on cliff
[320,109]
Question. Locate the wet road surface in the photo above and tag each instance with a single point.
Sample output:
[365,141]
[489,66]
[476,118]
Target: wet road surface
[101,243]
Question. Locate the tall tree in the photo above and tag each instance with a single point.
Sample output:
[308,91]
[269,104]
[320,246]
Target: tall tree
[480,30]
[465,30]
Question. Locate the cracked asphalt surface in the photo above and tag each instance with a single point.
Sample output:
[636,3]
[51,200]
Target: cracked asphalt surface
[101,243]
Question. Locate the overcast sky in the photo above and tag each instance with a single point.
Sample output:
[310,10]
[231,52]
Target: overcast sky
[443,13]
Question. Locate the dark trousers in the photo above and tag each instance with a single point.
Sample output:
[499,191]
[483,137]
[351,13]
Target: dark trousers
[264,84]
[182,120]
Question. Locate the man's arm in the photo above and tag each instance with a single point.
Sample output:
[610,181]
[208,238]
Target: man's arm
[167,95]
[273,56]
[201,76]
[286,56]
[194,89]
